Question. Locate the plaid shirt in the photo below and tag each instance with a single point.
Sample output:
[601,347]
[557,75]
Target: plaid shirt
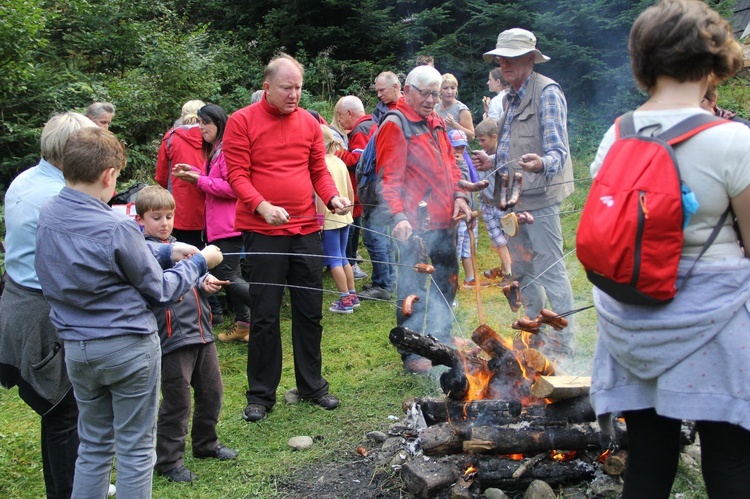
[553,115]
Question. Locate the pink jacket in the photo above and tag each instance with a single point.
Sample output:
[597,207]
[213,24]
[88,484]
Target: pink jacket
[221,202]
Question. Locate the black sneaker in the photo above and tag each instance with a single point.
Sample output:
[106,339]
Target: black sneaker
[220,452]
[179,474]
[327,402]
[374,292]
[254,413]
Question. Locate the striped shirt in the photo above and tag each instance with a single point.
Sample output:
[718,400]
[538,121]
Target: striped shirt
[553,115]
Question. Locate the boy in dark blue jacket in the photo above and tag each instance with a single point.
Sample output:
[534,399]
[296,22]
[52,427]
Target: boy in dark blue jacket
[189,356]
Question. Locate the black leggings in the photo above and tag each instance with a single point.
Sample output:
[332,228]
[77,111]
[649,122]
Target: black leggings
[654,450]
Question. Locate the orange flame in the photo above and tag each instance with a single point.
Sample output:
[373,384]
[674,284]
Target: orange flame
[477,385]
[604,455]
[470,472]
[563,456]
[514,457]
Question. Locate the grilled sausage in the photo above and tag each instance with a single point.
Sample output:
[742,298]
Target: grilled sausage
[525,218]
[552,319]
[528,325]
[408,307]
[515,193]
[503,198]
[473,186]
[423,268]
[513,295]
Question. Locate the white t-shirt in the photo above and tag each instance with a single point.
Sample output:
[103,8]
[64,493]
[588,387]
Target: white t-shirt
[495,109]
[715,164]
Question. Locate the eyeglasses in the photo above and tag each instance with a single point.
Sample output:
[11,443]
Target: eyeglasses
[498,60]
[426,93]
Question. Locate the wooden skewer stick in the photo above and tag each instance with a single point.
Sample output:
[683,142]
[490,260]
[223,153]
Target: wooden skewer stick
[477,287]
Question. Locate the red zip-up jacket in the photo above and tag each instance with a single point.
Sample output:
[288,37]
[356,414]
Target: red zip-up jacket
[183,145]
[421,169]
[279,158]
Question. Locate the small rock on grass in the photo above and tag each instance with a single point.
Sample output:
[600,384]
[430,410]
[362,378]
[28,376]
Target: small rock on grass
[377,436]
[300,443]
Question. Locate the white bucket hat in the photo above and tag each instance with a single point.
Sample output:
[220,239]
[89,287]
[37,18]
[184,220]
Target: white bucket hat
[515,42]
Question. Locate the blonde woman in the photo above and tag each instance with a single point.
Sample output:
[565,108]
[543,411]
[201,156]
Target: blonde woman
[455,113]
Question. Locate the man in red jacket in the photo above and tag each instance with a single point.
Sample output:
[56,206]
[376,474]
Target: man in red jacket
[275,160]
[423,168]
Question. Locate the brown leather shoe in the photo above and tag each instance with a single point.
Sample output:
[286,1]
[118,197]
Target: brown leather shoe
[240,332]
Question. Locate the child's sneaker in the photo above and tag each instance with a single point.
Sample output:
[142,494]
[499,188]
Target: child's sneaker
[339,307]
[355,300]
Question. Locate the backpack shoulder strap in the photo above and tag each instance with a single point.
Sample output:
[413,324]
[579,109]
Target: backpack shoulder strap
[407,126]
[689,127]
[625,126]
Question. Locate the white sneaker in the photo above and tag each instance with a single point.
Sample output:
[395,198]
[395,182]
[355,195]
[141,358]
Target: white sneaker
[112,490]
[358,272]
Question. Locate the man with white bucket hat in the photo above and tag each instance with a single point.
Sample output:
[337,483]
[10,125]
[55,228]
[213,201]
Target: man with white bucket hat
[534,141]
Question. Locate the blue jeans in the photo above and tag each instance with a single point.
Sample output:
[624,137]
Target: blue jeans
[379,245]
[116,384]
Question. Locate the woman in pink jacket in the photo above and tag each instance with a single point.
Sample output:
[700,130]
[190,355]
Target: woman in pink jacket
[220,213]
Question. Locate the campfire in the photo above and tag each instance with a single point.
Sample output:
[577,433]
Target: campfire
[507,419]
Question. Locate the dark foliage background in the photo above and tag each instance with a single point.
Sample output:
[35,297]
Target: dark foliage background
[149,57]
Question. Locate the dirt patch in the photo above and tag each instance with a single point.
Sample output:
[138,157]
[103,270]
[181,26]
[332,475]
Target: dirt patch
[361,478]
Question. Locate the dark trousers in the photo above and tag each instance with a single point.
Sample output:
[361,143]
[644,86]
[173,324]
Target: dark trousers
[60,447]
[433,313]
[305,278]
[229,270]
[654,450]
[353,242]
[195,366]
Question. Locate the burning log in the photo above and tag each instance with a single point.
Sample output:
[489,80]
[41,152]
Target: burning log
[454,382]
[575,410]
[525,439]
[444,438]
[503,359]
[488,412]
[615,463]
[498,472]
[561,387]
[426,346]
[537,361]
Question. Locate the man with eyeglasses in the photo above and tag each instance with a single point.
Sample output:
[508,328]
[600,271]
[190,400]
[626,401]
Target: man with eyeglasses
[534,141]
[422,168]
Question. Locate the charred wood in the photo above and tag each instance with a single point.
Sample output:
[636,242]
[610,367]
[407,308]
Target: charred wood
[445,438]
[489,412]
[498,472]
[520,438]
[615,464]
[426,346]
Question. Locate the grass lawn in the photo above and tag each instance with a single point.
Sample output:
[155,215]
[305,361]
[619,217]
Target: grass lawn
[362,368]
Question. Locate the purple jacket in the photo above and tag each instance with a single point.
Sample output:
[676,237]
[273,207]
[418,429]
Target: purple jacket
[221,201]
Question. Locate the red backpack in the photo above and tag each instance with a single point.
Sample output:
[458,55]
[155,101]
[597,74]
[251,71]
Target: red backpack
[630,235]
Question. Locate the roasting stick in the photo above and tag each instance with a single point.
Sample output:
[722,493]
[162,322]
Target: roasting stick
[475,267]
